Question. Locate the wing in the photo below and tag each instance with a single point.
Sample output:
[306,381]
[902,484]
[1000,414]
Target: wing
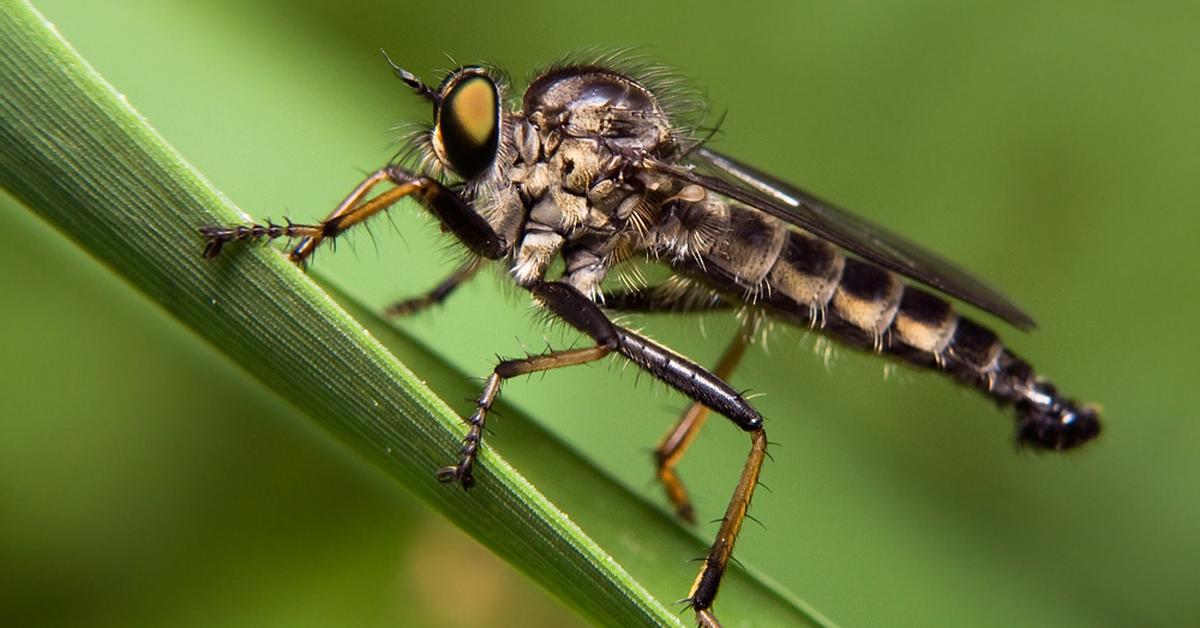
[873,243]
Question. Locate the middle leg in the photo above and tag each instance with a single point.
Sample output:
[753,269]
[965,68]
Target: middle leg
[681,295]
[703,387]
[461,275]
[461,471]
[672,369]
[675,442]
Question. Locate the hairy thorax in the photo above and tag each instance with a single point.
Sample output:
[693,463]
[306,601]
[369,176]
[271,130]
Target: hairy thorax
[574,190]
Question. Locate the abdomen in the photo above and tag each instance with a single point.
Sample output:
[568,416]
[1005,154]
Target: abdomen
[810,282]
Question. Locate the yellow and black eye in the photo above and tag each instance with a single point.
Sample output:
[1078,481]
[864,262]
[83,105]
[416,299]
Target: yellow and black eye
[467,122]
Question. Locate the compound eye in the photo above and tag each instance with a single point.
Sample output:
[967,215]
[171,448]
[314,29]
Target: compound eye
[468,122]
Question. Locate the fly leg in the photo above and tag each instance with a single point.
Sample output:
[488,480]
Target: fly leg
[312,234]
[703,387]
[591,321]
[704,589]
[676,441]
[439,293]
[461,471]
[664,364]
[665,297]
[456,216]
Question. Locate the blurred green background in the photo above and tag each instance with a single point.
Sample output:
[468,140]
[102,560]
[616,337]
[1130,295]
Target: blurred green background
[144,480]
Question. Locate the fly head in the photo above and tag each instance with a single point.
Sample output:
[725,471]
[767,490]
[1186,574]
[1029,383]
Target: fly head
[466,118]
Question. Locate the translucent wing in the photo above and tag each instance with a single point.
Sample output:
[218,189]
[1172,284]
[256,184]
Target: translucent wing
[873,243]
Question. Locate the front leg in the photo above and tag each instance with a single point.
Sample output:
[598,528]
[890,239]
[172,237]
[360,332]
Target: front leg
[455,213]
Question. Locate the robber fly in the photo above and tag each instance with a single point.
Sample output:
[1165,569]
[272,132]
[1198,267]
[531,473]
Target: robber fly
[597,163]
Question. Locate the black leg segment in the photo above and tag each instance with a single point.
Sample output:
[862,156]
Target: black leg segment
[702,386]
[667,366]
[675,442]
[664,298]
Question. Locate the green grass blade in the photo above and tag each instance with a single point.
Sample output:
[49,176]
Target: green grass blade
[76,153]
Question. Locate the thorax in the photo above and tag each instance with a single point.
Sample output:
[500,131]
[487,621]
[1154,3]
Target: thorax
[576,184]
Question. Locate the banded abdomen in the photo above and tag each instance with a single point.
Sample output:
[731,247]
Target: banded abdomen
[809,281]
